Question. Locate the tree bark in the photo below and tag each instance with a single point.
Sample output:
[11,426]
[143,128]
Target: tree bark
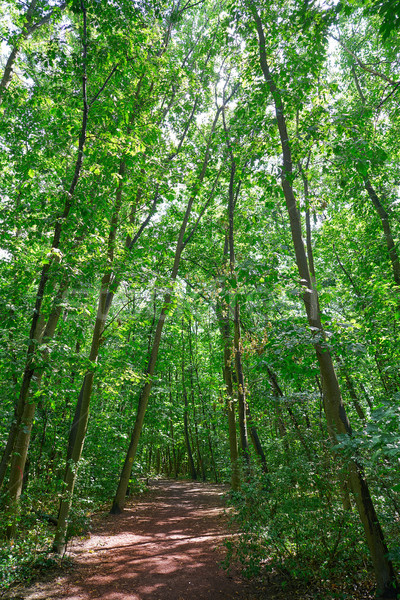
[78,430]
[242,402]
[387,230]
[223,320]
[241,390]
[192,468]
[256,440]
[22,431]
[81,417]
[206,420]
[354,397]
[171,429]
[200,459]
[280,395]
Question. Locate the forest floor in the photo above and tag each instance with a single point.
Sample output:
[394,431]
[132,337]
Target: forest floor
[166,545]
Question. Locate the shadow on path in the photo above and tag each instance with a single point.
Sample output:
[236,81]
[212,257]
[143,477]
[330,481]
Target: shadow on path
[166,546]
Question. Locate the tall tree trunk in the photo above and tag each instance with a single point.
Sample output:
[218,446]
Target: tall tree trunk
[387,230]
[19,439]
[256,440]
[206,420]
[280,394]
[387,586]
[242,402]
[354,397]
[186,428]
[192,468]
[200,458]
[241,390]
[78,430]
[367,396]
[174,459]
[18,411]
[158,463]
[27,410]
[224,325]
[118,503]
[81,417]
[45,334]
[171,427]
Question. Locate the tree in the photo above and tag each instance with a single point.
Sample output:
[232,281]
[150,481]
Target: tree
[333,404]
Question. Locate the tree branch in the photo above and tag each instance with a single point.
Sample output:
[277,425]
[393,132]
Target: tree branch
[93,100]
[363,66]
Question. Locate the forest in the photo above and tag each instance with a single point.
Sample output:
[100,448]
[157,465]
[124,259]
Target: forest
[200,273]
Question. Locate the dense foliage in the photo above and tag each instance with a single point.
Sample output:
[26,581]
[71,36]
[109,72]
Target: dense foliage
[153,317]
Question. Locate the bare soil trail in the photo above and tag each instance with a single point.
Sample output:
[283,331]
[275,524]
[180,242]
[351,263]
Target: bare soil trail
[167,545]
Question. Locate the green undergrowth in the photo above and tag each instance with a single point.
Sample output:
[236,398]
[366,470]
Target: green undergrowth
[294,529]
[28,556]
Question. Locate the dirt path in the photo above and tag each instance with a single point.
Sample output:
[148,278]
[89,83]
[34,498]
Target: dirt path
[167,546]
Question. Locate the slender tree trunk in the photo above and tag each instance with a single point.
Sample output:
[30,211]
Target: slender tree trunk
[384,217]
[256,440]
[186,429]
[41,444]
[7,75]
[230,402]
[387,586]
[118,503]
[178,459]
[280,394]
[367,396]
[78,429]
[18,411]
[192,468]
[80,421]
[22,442]
[206,420]
[22,431]
[222,312]
[244,442]
[174,459]
[200,458]
[171,427]
[354,397]
[46,334]
[242,402]
[158,463]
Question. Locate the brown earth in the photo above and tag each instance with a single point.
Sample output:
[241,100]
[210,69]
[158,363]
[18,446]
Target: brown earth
[168,545]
